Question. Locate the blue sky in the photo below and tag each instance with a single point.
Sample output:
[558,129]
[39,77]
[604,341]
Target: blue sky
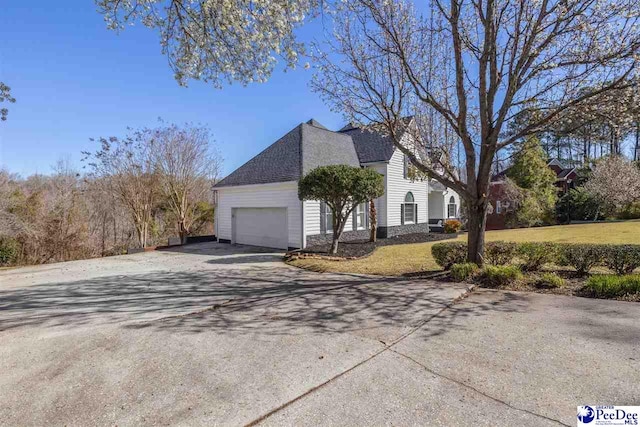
[73,80]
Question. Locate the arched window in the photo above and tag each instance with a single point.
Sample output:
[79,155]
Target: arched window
[409,210]
[452,209]
[409,197]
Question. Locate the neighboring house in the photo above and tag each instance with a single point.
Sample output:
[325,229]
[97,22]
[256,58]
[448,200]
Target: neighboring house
[500,203]
[258,203]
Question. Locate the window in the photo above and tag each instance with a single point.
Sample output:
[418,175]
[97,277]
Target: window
[452,209]
[409,209]
[360,217]
[326,218]
[405,170]
[498,207]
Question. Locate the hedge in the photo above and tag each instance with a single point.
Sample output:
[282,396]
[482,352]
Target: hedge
[500,253]
[623,259]
[496,276]
[448,253]
[462,272]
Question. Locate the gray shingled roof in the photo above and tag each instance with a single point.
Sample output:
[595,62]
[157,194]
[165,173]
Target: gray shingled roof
[304,148]
[370,146]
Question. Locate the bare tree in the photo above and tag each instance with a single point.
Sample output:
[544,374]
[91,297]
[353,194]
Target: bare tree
[128,168]
[187,165]
[465,69]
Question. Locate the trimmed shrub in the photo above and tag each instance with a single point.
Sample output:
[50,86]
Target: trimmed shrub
[535,254]
[495,276]
[609,286]
[452,226]
[448,253]
[622,259]
[9,249]
[582,257]
[549,280]
[500,253]
[462,272]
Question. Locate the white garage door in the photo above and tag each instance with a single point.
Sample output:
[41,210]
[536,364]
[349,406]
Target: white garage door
[261,227]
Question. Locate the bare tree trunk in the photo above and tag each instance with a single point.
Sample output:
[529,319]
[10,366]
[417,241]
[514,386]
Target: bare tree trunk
[636,151]
[373,220]
[477,224]
[337,232]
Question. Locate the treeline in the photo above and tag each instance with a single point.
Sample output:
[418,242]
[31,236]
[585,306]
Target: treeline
[132,192]
[608,126]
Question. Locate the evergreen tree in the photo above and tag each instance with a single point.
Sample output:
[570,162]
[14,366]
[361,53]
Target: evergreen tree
[536,182]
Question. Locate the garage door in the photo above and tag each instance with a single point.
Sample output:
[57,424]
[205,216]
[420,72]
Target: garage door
[261,227]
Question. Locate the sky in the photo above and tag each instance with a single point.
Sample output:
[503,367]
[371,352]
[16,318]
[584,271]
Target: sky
[73,80]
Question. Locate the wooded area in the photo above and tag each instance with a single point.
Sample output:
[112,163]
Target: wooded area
[133,192]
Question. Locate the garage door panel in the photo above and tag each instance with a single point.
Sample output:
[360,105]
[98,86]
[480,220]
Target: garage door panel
[261,227]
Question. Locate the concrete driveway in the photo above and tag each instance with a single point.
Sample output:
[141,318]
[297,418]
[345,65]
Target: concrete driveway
[217,335]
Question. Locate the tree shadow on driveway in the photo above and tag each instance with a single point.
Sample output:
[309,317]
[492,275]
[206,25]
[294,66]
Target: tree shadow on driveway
[273,300]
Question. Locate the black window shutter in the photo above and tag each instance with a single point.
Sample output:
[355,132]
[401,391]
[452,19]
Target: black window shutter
[402,214]
[323,217]
[415,219]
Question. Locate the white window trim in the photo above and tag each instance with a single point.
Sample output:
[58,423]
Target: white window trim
[455,208]
[498,207]
[328,218]
[361,209]
[411,207]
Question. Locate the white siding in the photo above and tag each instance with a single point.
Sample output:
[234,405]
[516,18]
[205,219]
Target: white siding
[436,205]
[312,218]
[397,188]
[276,195]
[381,202]
[312,208]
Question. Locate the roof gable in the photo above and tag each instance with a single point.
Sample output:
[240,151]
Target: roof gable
[322,147]
[370,146]
[279,162]
[302,149]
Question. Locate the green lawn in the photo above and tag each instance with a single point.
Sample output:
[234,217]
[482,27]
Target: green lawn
[402,259]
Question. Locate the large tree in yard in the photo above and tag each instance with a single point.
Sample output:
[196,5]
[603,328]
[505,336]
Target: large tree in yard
[342,188]
[466,69]
[187,166]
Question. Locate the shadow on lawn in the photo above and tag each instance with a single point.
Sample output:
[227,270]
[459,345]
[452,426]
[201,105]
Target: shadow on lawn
[250,299]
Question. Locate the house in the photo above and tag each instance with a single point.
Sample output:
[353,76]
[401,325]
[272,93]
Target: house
[501,203]
[257,204]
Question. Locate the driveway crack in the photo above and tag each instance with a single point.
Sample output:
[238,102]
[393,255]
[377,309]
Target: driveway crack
[386,347]
[467,386]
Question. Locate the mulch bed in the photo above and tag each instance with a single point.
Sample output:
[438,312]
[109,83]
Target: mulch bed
[360,248]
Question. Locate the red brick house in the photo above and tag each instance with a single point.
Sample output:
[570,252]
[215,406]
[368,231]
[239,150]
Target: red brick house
[500,203]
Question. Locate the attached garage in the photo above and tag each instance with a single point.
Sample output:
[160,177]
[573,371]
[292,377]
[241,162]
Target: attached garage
[260,227]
